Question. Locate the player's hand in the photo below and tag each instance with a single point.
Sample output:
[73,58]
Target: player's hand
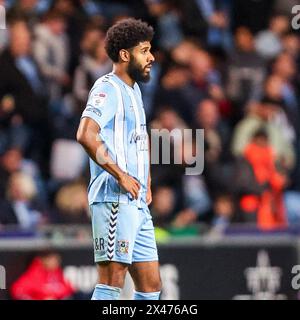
[129,184]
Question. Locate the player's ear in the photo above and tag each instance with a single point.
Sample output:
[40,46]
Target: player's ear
[124,55]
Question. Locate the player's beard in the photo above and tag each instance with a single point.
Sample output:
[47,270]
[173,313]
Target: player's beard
[136,71]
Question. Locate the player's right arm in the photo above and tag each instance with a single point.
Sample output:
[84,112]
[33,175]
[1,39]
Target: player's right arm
[87,136]
[96,115]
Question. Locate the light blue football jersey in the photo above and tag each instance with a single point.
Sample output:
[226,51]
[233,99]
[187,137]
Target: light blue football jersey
[118,109]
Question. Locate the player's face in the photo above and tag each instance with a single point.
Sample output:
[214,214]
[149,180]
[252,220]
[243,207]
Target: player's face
[140,62]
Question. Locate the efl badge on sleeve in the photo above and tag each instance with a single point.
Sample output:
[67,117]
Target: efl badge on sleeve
[99,98]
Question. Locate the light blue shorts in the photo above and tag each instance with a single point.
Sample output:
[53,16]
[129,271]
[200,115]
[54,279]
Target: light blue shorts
[122,233]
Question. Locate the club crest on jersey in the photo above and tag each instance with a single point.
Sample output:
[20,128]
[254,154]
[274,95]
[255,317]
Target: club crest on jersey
[99,98]
[123,246]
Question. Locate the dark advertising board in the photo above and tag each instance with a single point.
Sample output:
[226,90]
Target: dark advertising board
[187,271]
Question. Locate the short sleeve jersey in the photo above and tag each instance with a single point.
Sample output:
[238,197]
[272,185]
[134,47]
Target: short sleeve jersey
[118,110]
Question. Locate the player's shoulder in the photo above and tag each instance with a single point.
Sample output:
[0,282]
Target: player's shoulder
[103,84]
[102,93]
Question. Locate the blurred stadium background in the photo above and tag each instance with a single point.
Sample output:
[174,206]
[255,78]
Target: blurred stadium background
[230,67]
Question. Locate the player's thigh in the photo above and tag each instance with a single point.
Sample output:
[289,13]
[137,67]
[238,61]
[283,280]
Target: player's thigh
[145,248]
[146,276]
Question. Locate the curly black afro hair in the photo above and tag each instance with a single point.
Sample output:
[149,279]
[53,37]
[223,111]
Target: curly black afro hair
[126,34]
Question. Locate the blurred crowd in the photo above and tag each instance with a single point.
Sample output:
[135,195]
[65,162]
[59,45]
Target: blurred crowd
[230,67]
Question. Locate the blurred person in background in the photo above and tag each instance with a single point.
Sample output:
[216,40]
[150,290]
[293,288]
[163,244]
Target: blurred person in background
[13,131]
[71,205]
[21,79]
[192,200]
[167,118]
[13,160]
[184,51]
[217,16]
[192,193]
[76,19]
[92,34]
[163,206]
[207,80]
[291,45]
[92,8]
[285,68]
[246,71]
[268,43]
[204,73]
[216,146]
[292,205]
[191,77]
[176,91]
[10,162]
[224,213]
[285,117]
[266,208]
[24,9]
[20,76]
[164,124]
[193,22]
[217,132]
[51,52]
[19,208]
[43,280]
[261,114]
[94,63]
[167,18]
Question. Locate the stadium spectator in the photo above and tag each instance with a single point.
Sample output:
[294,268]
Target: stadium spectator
[291,45]
[20,78]
[217,16]
[163,206]
[267,208]
[216,143]
[268,42]
[262,115]
[19,208]
[24,9]
[224,213]
[10,162]
[43,280]
[20,75]
[13,132]
[246,71]
[94,63]
[167,19]
[71,205]
[51,52]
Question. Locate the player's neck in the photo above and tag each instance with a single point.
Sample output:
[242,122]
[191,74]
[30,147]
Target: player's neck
[123,75]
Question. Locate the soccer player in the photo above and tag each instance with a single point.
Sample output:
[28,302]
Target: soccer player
[113,132]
